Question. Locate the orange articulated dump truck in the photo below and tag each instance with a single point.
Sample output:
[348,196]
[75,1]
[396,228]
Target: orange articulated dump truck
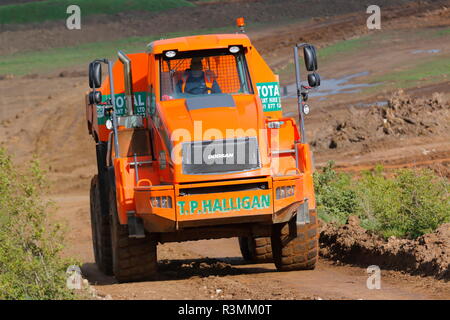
[192,144]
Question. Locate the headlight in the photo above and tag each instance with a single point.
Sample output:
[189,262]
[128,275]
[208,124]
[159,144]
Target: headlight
[170,54]
[234,49]
[275,124]
[109,124]
[284,192]
[161,202]
[305,109]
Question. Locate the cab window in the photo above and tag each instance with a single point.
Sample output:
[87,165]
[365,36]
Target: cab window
[204,72]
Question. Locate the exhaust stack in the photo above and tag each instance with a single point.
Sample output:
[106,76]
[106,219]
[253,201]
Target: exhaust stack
[128,82]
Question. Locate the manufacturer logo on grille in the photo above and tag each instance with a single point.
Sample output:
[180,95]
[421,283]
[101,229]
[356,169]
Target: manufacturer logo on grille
[220,156]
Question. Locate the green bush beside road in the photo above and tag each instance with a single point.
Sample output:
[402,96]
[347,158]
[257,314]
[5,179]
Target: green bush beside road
[407,204]
[31,266]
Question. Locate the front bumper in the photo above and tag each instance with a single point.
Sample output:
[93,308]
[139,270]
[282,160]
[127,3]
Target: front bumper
[218,203]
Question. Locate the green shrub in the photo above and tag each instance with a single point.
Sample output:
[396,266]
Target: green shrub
[408,204]
[30,263]
[377,199]
[335,198]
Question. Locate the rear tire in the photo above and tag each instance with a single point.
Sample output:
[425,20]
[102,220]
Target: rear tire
[101,232]
[133,259]
[295,246]
[256,249]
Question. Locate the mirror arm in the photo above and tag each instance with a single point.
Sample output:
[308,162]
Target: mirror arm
[300,98]
[114,113]
[113,100]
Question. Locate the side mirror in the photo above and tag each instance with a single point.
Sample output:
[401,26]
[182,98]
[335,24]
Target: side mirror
[95,75]
[313,79]
[95,97]
[310,56]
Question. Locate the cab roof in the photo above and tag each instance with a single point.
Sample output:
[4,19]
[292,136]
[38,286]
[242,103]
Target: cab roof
[203,42]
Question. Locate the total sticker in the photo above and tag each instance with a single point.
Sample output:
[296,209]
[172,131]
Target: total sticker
[269,93]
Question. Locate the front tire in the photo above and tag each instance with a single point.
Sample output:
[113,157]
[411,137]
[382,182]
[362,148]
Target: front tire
[101,232]
[295,246]
[133,259]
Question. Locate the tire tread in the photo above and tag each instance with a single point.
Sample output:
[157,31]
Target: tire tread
[133,259]
[295,247]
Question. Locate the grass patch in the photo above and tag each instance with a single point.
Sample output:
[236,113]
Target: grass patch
[56,9]
[53,59]
[431,71]
[408,204]
[33,62]
[30,263]
[343,47]
[442,33]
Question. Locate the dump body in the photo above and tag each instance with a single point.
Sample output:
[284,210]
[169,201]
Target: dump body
[156,174]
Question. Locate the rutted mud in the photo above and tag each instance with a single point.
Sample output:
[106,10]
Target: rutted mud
[403,116]
[329,87]
[427,255]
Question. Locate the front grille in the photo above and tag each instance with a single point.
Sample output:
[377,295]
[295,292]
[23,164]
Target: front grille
[220,156]
[225,188]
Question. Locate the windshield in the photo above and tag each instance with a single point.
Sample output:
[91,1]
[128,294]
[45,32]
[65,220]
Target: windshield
[204,72]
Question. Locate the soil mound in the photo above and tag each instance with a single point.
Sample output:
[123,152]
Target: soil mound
[427,255]
[403,116]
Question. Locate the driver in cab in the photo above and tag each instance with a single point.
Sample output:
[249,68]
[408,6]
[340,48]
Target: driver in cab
[197,81]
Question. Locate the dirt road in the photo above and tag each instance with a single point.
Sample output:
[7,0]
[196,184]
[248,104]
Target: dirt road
[44,115]
[214,269]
